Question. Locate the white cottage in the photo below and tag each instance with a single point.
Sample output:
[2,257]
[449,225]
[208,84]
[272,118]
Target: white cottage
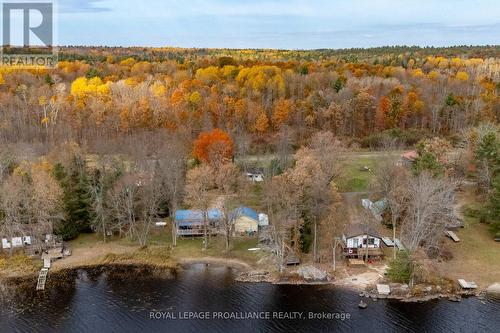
[357,238]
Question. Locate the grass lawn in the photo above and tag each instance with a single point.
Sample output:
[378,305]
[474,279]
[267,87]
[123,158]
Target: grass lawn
[84,241]
[193,247]
[186,247]
[90,248]
[476,257]
[252,198]
[354,178]
[18,263]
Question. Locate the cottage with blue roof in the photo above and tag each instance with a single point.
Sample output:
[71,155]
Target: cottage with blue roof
[191,222]
[245,221]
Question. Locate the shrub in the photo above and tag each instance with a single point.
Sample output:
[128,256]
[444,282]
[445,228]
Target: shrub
[446,255]
[417,291]
[407,137]
[472,211]
[19,262]
[400,269]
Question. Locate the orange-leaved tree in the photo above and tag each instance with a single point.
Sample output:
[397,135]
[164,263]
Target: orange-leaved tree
[214,147]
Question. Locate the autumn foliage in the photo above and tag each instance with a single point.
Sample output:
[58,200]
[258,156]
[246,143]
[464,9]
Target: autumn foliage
[255,95]
[214,147]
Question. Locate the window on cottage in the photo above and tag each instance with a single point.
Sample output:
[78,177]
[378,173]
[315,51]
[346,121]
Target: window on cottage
[371,241]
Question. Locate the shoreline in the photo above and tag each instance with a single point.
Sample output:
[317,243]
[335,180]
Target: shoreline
[246,273]
[216,261]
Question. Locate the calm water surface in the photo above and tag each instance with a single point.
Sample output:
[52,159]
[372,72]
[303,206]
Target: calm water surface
[101,304]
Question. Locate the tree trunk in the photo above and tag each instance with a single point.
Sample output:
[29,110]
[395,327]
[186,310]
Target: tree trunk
[366,257]
[174,233]
[394,238]
[315,242]
[228,234]
[334,259]
[205,230]
[282,259]
[174,228]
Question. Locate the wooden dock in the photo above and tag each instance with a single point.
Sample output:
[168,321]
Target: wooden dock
[452,235]
[383,289]
[467,284]
[42,279]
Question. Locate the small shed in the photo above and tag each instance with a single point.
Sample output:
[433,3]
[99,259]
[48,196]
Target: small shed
[15,242]
[30,237]
[245,220]
[263,220]
[366,203]
[377,208]
[255,174]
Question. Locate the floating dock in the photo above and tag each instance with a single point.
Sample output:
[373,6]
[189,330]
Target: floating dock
[383,289]
[42,279]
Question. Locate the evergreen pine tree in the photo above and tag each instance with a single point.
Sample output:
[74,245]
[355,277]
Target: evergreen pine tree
[338,85]
[76,198]
[494,209]
[489,150]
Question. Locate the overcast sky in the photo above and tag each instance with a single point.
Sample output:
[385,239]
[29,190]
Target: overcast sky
[291,24]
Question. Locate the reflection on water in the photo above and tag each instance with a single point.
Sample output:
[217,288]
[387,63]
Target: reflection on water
[100,304]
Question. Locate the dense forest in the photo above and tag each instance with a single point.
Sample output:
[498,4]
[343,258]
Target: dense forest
[128,135]
[104,93]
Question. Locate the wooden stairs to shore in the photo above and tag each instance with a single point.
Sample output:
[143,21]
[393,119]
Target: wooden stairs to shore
[42,279]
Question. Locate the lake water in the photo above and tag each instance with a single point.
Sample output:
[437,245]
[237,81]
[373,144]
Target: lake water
[102,304]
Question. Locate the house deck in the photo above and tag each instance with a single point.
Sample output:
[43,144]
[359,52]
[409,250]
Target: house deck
[361,253]
[195,232]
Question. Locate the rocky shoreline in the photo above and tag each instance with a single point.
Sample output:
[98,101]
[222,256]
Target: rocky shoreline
[306,275]
[399,292]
